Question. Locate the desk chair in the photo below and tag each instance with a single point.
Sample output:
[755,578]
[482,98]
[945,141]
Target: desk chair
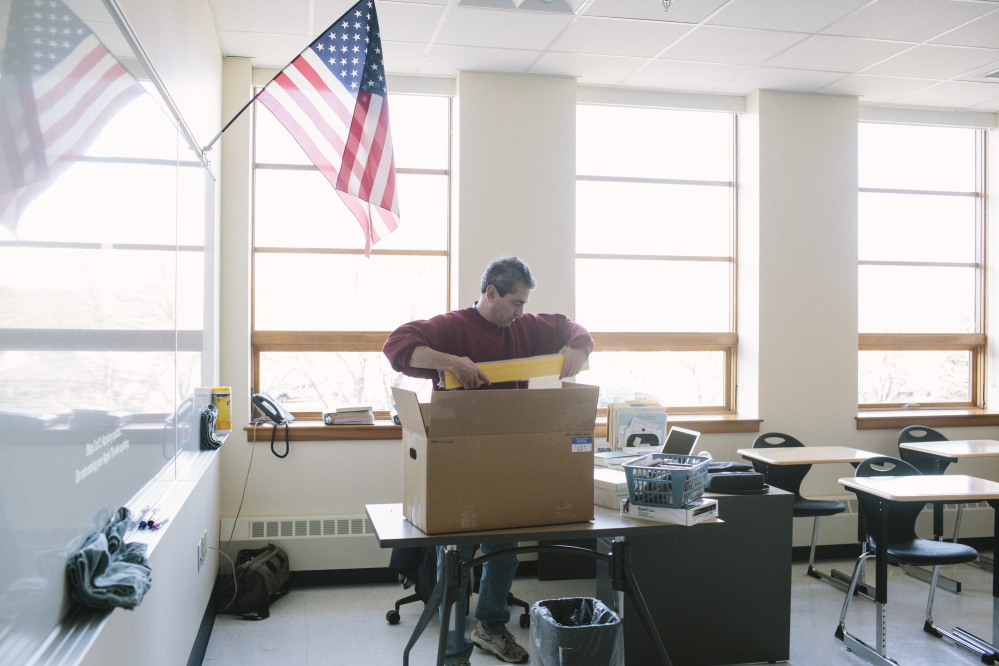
[927,464]
[417,567]
[789,478]
[905,547]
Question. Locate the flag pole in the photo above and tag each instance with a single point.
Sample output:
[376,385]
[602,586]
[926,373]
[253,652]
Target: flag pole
[238,114]
[252,100]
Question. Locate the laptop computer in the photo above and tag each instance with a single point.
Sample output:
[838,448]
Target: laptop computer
[680,442]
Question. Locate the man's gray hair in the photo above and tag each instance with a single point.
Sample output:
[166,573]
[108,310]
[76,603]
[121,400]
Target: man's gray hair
[505,273]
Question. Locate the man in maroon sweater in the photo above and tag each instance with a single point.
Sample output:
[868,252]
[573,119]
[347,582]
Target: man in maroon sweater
[495,328]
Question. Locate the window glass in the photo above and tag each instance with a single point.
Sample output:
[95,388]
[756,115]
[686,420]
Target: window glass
[901,377]
[682,379]
[917,299]
[338,292]
[678,296]
[645,218]
[653,143]
[917,227]
[322,381]
[912,157]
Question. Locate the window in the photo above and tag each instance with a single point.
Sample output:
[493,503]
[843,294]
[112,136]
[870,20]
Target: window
[321,309]
[921,298]
[655,202]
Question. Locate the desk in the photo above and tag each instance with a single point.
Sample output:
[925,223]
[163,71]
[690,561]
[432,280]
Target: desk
[940,454]
[814,455]
[889,491]
[393,531]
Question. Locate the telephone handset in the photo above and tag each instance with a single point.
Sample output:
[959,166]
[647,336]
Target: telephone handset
[271,408]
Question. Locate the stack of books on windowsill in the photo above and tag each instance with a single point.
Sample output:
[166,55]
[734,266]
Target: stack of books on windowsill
[350,415]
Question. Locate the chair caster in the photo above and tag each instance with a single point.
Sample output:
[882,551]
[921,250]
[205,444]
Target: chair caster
[392,617]
[525,621]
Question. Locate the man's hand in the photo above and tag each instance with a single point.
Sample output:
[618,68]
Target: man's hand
[467,372]
[574,360]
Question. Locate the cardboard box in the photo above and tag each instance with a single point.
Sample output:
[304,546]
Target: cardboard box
[610,486]
[696,511]
[481,460]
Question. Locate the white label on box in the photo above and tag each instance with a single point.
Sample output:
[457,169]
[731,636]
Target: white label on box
[582,444]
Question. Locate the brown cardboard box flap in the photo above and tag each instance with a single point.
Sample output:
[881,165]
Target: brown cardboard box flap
[410,412]
[513,411]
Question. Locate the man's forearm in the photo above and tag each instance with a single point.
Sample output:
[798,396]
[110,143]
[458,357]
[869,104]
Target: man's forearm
[425,357]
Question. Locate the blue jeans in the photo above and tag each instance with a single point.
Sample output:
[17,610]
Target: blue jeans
[491,610]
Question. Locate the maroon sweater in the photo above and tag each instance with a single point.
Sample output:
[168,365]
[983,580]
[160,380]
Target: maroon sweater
[467,333]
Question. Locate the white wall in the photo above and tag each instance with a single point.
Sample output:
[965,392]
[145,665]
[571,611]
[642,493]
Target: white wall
[514,193]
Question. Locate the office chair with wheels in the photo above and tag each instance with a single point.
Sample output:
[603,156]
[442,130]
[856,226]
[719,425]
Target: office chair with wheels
[417,568]
[789,478]
[904,546]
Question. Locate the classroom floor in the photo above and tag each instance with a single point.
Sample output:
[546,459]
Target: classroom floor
[345,624]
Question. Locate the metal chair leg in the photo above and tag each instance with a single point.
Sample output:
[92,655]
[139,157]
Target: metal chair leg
[960,637]
[876,655]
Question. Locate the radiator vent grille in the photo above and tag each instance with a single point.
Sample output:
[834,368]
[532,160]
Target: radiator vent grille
[332,526]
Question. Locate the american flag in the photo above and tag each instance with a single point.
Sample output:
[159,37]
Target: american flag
[332,98]
[59,88]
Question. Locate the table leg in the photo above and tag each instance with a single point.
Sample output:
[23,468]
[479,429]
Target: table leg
[446,591]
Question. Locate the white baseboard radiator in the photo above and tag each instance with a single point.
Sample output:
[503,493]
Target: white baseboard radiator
[313,543]
[977,521]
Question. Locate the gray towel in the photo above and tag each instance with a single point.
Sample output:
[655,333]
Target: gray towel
[107,572]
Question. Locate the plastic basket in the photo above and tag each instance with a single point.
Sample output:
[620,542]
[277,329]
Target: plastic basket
[661,479]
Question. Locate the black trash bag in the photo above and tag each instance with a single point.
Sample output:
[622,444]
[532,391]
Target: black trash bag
[575,631]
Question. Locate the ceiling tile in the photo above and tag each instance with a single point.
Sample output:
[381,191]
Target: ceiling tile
[876,89]
[952,94]
[980,32]
[775,78]
[504,29]
[736,46]
[623,37]
[588,69]
[836,54]
[790,15]
[907,20]
[681,11]
[682,75]
[401,57]
[266,50]
[407,22]
[991,105]
[935,62]
[446,60]
[261,16]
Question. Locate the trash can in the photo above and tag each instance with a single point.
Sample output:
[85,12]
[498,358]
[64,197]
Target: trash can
[575,631]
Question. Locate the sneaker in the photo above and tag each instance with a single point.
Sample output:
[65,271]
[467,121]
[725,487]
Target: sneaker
[460,662]
[502,645]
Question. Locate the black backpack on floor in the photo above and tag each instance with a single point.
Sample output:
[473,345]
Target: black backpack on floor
[261,577]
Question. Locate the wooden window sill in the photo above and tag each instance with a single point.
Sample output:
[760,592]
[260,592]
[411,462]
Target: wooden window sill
[896,419]
[302,430]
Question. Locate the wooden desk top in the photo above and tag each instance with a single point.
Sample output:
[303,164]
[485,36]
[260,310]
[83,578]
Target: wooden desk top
[945,488]
[807,455]
[394,531]
[956,448]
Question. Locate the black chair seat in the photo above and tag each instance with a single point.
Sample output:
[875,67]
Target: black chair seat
[807,508]
[926,552]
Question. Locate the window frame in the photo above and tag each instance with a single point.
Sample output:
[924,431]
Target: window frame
[726,342]
[974,343]
[262,341]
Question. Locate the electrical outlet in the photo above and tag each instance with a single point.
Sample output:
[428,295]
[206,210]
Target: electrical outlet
[202,549]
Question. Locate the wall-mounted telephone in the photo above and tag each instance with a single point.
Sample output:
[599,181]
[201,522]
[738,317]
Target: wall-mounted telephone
[271,408]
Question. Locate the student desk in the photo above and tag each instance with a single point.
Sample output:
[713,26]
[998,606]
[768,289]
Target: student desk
[889,491]
[814,455]
[394,531]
